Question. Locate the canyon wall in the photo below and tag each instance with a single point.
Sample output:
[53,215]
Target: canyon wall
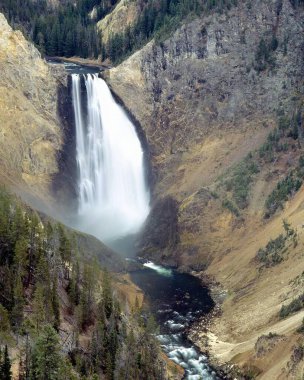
[204,101]
[32,133]
[209,98]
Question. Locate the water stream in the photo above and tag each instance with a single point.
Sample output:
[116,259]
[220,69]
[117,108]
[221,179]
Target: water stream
[177,300]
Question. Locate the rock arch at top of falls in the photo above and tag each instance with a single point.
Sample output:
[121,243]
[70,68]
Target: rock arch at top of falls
[112,191]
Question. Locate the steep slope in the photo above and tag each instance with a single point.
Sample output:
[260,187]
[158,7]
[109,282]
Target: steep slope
[219,89]
[32,132]
[28,114]
[201,99]
[123,15]
[60,311]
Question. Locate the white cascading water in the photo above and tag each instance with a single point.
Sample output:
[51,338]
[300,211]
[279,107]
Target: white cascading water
[113,195]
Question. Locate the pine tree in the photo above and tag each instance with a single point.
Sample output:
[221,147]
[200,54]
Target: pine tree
[42,273]
[21,256]
[39,312]
[55,305]
[4,224]
[34,228]
[65,250]
[107,298]
[6,287]
[19,228]
[46,356]
[4,320]
[87,302]
[27,359]
[6,373]
[73,287]
[19,302]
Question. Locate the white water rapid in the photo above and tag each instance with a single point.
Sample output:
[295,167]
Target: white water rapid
[113,195]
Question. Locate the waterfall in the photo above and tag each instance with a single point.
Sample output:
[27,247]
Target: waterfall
[113,195]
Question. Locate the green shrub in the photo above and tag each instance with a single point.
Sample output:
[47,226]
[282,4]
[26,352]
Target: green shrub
[297,3]
[231,207]
[275,249]
[241,178]
[301,162]
[283,123]
[273,144]
[284,189]
[214,194]
[301,328]
[294,306]
[264,55]
[272,254]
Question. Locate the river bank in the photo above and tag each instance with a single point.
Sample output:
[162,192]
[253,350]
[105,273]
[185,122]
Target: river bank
[200,332]
[92,63]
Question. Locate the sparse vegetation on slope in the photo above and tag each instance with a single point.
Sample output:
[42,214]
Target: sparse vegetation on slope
[159,19]
[294,306]
[301,328]
[239,182]
[276,248]
[281,138]
[229,205]
[285,188]
[264,57]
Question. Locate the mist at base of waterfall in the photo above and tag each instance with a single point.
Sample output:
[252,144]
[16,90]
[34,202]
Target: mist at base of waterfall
[108,229]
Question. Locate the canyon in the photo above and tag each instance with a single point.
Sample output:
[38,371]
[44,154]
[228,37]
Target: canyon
[206,99]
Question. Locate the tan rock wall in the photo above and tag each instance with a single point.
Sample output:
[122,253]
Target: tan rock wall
[123,15]
[204,105]
[30,130]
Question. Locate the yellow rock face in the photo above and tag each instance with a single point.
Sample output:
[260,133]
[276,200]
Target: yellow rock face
[124,14]
[30,134]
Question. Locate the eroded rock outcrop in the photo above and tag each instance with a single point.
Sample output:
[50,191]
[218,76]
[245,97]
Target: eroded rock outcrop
[123,15]
[32,132]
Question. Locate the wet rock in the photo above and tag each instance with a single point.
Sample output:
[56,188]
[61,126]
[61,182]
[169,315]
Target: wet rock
[160,233]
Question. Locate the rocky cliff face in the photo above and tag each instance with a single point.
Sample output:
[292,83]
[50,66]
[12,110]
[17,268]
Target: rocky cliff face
[207,97]
[123,15]
[32,133]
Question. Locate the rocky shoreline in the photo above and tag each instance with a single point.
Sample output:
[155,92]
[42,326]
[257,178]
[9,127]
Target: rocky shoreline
[198,332]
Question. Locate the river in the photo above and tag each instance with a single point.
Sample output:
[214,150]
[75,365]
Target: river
[177,300]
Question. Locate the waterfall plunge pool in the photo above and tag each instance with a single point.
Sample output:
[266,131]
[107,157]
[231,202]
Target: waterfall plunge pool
[177,300]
